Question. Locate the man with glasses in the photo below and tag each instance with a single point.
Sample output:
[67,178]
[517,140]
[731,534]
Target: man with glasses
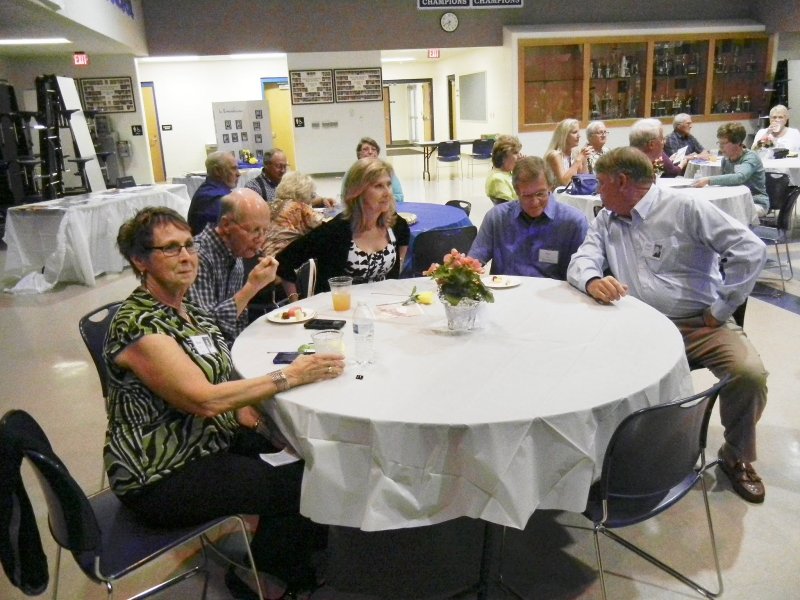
[222,175]
[275,166]
[740,166]
[681,136]
[221,288]
[534,236]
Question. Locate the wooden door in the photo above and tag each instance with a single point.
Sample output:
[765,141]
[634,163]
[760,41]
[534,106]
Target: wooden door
[281,120]
[153,131]
[387,115]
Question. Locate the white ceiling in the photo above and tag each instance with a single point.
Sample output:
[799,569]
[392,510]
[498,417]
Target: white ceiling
[25,19]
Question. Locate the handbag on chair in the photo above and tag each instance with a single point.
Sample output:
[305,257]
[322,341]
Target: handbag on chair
[582,184]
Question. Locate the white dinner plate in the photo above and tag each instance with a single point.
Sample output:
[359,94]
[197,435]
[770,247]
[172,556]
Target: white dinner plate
[498,282]
[409,218]
[275,316]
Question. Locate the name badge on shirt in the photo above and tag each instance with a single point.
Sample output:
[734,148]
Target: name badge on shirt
[203,344]
[654,251]
[548,256]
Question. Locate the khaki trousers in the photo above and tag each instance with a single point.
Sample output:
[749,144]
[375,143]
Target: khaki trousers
[727,350]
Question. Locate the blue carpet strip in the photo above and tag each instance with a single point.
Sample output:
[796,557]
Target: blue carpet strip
[786,301]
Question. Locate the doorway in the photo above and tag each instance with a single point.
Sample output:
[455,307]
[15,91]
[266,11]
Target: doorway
[276,93]
[408,110]
[451,106]
[153,131]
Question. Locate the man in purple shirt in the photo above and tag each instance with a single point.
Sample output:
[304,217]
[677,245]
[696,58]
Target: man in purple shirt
[535,236]
[222,176]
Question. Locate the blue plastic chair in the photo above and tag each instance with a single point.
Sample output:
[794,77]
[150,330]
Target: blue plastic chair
[481,152]
[449,153]
[655,457]
[107,540]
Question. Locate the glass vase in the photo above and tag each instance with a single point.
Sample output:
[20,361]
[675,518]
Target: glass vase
[461,317]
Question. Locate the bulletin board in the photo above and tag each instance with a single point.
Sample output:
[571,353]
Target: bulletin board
[358,85]
[107,94]
[311,87]
[472,96]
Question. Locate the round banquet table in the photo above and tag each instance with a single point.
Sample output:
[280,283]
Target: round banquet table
[704,168]
[734,200]
[492,424]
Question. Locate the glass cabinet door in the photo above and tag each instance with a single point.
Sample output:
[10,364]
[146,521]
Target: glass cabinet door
[616,81]
[553,80]
[738,85]
[679,78]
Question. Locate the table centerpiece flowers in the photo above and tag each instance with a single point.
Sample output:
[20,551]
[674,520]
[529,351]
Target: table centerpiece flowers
[460,288]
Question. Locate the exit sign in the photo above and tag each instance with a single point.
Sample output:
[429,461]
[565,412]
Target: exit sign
[80,59]
[433,52]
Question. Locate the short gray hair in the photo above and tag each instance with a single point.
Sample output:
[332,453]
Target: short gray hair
[680,119]
[594,127]
[643,132]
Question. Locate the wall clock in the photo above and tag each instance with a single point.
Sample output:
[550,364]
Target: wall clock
[449,22]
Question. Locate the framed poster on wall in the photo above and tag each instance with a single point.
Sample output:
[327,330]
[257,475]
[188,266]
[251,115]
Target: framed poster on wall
[311,87]
[358,85]
[107,94]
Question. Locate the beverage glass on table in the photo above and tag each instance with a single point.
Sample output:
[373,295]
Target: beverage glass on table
[328,341]
[340,292]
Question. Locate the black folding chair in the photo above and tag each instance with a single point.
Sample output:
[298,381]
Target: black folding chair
[107,540]
[462,204]
[655,457]
[431,246]
[93,327]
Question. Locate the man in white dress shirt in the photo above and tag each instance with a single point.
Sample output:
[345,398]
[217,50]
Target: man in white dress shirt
[667,249]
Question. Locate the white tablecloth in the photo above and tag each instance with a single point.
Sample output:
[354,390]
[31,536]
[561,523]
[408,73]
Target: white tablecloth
[704,168]
[74,238]
[192,182]
[737,201]
[511,417]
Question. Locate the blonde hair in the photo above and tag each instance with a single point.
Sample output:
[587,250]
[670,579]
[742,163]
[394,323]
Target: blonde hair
[559,140]
[294,186]
[361,175]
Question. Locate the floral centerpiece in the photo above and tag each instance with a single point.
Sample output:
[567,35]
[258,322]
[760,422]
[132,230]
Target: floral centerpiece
[658,166]
[460,288]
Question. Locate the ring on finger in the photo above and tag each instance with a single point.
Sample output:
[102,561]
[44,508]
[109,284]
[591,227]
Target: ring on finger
[330,369]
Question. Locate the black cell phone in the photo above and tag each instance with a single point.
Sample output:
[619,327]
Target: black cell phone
[284,358]
[324,324]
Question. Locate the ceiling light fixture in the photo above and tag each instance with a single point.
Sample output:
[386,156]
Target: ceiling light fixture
[33,41]
[398,59]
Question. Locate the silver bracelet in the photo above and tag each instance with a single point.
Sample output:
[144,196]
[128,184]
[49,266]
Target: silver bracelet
[280,381]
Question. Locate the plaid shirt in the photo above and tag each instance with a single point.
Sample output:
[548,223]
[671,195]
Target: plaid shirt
[220,275]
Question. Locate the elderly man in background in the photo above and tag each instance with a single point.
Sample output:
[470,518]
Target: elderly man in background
[221,288]
[740,166]
[596,138]
[222,175]
[647,136]
[535,236]
[681,136]
[665,248]
[778,134]
[275,166]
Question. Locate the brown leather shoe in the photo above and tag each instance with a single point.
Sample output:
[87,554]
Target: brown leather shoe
[744,479]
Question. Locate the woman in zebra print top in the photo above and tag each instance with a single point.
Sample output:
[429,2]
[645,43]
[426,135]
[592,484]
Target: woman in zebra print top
[175,451]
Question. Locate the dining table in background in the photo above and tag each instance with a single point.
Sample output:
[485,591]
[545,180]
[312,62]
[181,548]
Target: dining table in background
[734,200]
[704,168]
[192,181]
[429,216]
[428,148]
[74,238]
